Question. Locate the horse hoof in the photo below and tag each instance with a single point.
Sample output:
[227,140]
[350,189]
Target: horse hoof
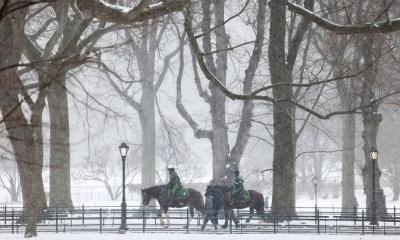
[165,226]
[224,226]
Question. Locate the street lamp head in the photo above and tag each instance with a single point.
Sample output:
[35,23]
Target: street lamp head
[314,180]
[123,149]
[373,154]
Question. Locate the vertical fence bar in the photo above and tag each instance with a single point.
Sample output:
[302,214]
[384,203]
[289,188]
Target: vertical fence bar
[101,216]
[274,225]
[394,215]
[12,221]
[187,220]
[230,221]
[384,228]
[318,220]
[355,215]
[56,219]
[5,214]
[144,219]
[336,228]
[70,217]
[83,214]
[362,219]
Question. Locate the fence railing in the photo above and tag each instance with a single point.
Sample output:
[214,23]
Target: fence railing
[139,219]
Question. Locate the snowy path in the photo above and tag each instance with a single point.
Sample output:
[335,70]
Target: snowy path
[130,236]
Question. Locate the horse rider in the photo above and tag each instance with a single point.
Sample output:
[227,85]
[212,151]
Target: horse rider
[173,186]
[238,188]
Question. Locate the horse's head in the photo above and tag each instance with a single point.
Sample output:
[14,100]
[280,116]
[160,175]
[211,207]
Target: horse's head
[209,190]
[146,197]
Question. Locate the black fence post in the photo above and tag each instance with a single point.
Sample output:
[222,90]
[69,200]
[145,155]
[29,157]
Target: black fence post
[384,228]
[318,220]
[336,228]
[187,220]
[394,215]
[144,219]
[274,225]
[12,221]
[56,219]
[230,221]
[101,216]
[355,215]
[83,214]
[5,214]
[362,219]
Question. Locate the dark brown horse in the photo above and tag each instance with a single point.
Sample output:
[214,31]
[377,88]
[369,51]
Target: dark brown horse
[193,201]
[256,202]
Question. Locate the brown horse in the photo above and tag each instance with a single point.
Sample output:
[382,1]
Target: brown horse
[256,202]
[193,201]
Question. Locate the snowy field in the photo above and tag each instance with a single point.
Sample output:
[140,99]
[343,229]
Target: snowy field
[129,236]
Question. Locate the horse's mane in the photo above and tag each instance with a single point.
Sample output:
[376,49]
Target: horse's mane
[155,188]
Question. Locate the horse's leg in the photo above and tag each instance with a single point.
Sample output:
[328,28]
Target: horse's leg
[226,213]
[191,212]
[167,216]
[160,214]
[250,215]
[235,219]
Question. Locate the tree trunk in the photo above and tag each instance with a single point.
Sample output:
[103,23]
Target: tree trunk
[349,200]
[371,120]
[396,181]
[147,121]
[20,132]
[284,175]
[223,168]
[60,185]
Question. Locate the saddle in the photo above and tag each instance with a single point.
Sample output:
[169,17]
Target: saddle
[243,197]
[182,194]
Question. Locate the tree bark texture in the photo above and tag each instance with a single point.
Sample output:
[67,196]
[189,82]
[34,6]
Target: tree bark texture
[60,182]
[20,132]
[371,120]
[284,175]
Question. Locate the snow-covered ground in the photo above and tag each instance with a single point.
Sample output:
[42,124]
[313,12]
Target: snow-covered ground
[150,236]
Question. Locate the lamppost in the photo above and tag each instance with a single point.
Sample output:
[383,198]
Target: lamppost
[374,157]
[316,196]
[123,150]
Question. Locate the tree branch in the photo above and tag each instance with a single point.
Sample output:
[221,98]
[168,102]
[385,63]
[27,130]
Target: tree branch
[377,27]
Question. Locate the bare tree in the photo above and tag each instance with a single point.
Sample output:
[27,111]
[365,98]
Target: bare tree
[225,160]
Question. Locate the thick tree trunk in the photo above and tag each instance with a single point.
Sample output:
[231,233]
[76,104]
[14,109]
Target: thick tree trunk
[147,121]
[284,175]
[223,168]
[371,120]
[349,200]
[20,132]
[147,110]
[60,185]
[396,181]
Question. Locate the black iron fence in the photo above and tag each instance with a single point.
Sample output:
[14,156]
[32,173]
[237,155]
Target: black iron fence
[107,219]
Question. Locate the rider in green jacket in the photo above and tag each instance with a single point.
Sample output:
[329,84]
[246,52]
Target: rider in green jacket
[173,186]
[238,188]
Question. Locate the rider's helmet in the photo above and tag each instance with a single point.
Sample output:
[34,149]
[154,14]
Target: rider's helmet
[237,173]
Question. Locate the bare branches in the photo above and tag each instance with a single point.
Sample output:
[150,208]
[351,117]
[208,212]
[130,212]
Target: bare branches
[254,95]
[124,15]
[375,27]
[198,133]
